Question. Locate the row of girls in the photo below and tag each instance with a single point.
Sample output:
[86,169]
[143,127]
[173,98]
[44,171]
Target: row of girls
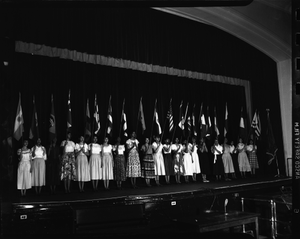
[83,163]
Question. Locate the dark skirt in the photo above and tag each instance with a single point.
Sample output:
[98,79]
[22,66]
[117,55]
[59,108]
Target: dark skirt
[204,163]
[148,170]
[52,171]
[169,166]
[218,168]
[119,168]
[235,163]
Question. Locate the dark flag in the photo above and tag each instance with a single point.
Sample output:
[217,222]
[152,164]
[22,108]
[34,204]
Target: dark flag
[69,120]
[194,123]
[34,130]
[96,118]
[209,129]
[109,118]
[141,116]
[87,131]
[124,120]
[19,121]
[52,121]
[215,123]
[271,149]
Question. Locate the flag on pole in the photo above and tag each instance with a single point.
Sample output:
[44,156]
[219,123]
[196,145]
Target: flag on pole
[52,121]
[34,131]
[170,117]
[194,122]
[19,121]
[141,117]
[256,124]
[209,129]
[189,125]
[124,120]
[226,121]
[271,149]
[109,117]
[87,131]
[243,131]
[183,117]
[69,120]
[96,118]
[180,114]
[157,120]
[215,123]
[203,126]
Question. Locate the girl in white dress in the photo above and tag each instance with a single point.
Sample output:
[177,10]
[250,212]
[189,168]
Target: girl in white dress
[159,165]
[244,165]
[38,171]
[82,165]
[95,163]
[196,163]
[227,160]
[24,169]
[108,162]
[187,161]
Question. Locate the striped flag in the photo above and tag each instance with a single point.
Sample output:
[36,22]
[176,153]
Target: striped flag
[19,121]
[256,124]
[141,116]
[226,121]
[96,118]
[52,122]
[87,131]
[34,130]
[170,117]
[109,117]
[69,120]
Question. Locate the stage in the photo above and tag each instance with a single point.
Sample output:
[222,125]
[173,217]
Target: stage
[140,211]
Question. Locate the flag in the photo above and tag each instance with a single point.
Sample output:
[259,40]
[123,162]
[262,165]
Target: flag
[109,117]
[183,117]
[189,125]
[271,149]
[216,124]
[96,117]
[180,115]
[208,133]
[141,116]
[87,131]
[194,122]
[19,121]
[157,120]
[123,120]
[242,130]
[170,117]
[256,124]
[226,121]
[69,120]
[52,121]
[203,126]
[34,131]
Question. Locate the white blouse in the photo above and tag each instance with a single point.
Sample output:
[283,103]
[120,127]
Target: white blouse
[78,147]
[121,149]
[95,148]
[40,152]
[106,149]
[70,147]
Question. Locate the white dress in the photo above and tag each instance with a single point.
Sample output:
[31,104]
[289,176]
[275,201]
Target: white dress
[95,161]
[159,165]
[82,165]
[187,162]
[38,172]
[196,163]
[24,175]
[107,158]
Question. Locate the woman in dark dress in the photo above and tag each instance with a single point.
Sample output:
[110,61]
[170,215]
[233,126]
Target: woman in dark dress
[119,163]
[53,166]
[168,161]
[218,169]
[148,171]
[204,160]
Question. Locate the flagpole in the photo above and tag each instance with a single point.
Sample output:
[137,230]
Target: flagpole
[138,116]
[153,121]
[121,118]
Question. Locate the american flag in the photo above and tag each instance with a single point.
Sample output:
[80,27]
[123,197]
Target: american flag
[170,117]
[256,124]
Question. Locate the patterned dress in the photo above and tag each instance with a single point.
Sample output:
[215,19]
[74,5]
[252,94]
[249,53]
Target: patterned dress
[168,161]
[159,164]
[24,175]
[177,158]
[119,163]
[95,161]
[244,165]
[148,170]
[82,165]
[133,167]
[227,160]
[107,158]
[38,171]
[68,164]
[251,150]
